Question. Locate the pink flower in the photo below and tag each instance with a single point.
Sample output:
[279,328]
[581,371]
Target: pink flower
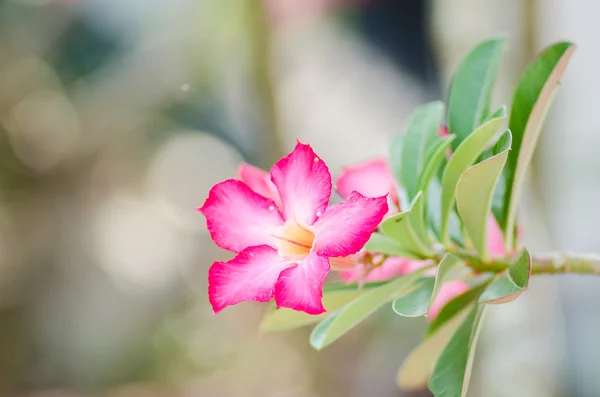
[284,248]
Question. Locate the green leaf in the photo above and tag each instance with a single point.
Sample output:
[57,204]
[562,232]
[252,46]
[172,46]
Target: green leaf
[475,192]
[400,228]
[531,102]
[335,326]
[455,306]
[418,366]
[448,263]
[421,133]
[436,154]
[510,284]
[500,112]
[434,217]
[417,219]
[471,89]
[452,371]
[285,319]
[383,244]
[416,302]
[462,158]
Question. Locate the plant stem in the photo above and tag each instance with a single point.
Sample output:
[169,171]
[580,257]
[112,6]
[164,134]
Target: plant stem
[566,263]
[546,263]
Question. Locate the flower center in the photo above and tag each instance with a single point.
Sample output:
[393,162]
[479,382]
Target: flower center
[295,239]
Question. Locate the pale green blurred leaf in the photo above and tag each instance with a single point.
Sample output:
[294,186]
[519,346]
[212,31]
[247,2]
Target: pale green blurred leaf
[418,366]
[474,194]
[416,302]
[386,245]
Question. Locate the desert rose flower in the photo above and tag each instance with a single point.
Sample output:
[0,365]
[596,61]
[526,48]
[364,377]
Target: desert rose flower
[285,236]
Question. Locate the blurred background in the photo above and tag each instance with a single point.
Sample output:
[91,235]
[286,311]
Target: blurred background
[116,117]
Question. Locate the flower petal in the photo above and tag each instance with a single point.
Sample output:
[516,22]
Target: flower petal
[250,276]
[301,287]
[255,178]
[237,217]
[372,179]
[304,184]
[495,240]
[449,290]
[389,269]
[345,228]
[259,181]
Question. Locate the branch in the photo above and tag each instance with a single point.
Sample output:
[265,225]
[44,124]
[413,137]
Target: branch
[566,262]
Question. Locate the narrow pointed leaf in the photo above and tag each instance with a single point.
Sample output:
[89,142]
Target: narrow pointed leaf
[471,89]
[416,302]
[462,159]
[452,371]
[386,245]
[421,133]
[475,192]
[531,103]
[509,285]
[418,366]
[335,326]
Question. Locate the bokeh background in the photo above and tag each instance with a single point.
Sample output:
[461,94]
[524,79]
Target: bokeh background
[117,116]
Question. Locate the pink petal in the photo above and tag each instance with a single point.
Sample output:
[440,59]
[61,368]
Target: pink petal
[304,184]
[372,179]
[494,236]
[237,217]
[250,276]
[345,228]
[388,270]
[412,265]
[301,287]
[259,181]
[449,290]
[255,178]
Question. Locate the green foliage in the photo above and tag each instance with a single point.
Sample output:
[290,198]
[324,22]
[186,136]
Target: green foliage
[388,246]
[475,191]
[531,102]
[401,227]
[468,151]
[455,306]
[335,326]
[451,185]
[416,302]
[471,89]
[510,284]
[452,371]
[410,150]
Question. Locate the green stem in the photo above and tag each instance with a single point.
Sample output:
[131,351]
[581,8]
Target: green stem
[546,263]
[566,263]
